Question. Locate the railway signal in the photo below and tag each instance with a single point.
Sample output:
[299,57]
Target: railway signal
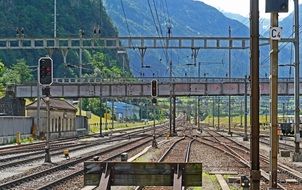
[45,71]
[154,88]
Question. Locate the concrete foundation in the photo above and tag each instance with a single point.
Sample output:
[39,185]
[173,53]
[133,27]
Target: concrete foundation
[297,157]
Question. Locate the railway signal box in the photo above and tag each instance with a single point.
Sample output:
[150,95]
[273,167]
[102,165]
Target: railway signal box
[45,71]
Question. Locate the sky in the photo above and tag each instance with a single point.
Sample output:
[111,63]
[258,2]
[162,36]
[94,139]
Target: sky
[242,7]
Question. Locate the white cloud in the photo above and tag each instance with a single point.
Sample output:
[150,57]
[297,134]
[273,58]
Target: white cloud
[242,7]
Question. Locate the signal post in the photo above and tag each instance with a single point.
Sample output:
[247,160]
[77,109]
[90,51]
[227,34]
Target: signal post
[154,93]
[45,78]
[274,7]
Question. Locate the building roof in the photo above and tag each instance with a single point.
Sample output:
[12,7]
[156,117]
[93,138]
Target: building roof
[57,104]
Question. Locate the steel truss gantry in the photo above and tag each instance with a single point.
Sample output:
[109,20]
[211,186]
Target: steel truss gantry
[194,43]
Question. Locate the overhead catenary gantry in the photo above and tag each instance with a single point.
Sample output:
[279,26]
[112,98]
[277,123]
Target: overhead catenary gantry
[195,43]
[142,43]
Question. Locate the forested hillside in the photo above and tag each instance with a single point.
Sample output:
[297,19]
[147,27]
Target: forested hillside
[36,19]
[186,18]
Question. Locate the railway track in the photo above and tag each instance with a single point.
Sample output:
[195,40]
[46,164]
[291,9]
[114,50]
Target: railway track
[242,154]
[37,146]
[56,174]
[38,155]
[30,181]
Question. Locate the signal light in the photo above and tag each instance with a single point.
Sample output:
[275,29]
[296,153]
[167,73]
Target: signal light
[45,71]
[154,88]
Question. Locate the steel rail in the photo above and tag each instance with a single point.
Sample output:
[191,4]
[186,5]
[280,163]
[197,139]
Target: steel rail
[13,183]
[74,174]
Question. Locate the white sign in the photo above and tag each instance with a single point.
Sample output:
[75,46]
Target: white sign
[275,33]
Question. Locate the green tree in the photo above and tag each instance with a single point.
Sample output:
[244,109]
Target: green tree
[93,105]
[23,70]
[19,73]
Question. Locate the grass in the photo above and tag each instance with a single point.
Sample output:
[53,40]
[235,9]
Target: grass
[94,122]
[234,120]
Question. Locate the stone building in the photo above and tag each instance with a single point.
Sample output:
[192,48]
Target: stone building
[62,118]
[11,106]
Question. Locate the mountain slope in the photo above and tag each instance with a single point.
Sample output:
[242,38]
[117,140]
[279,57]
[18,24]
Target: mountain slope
[187,18]
[36,18]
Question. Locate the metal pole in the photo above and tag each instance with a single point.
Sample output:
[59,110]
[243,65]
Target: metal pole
[101,119]
[80,67]
[170,77]
[274,105]
[199,70]
[55,19]
[123,63]
[283,111]
[47,146]
[230,74]
[241,113]
[213,109]
[174,116]
[254,103]
[218,110]
[106,117]
[245,138]
[38,108]
[198,111]
[112,113]
[297,89]
[198,101]
[154,143]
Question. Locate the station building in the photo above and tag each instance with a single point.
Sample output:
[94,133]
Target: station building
[62,118]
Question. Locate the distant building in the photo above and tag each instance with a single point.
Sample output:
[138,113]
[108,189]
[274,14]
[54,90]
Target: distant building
[11,106]
[124,111]
[62,118]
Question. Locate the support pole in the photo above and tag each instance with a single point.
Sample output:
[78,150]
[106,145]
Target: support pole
[274,105]
[218,110]
[80,67]
[254,103]
[55,20]
[213,110]
[174,116]
[101,119]
[170,78]
[230,74]
[196,112]
[154,143]
[245,138]
[112,113]
[297,155]
[198,116]
[38,108]
[47,146]
[106,117]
